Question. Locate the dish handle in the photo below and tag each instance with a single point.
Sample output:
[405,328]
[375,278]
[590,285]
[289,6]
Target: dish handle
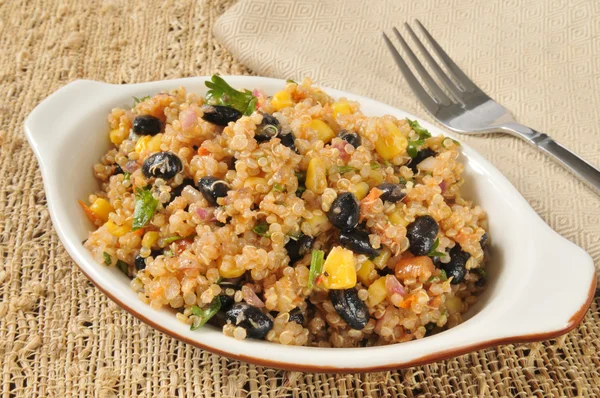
[562,289]
[47,125]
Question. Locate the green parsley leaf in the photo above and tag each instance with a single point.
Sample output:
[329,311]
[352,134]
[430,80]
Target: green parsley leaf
[168,253]
[126,175]
[278,187]
[402,180]
[413,147]
[316,266]
[480,271]
[375,165]
[172,239]
[107,259]
[435,253]
[346,169]
[123,266]
[204,314]
[290,81]
[387,163]
[422,132]
[145,207]
[455,142]
[441,278]
[137,100]
[262,229]
[221,93]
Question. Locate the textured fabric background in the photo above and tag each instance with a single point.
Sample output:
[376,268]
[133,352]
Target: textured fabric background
[59,336]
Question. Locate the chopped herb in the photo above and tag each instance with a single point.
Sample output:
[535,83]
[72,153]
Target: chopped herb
[126,176]
[168,253]
[413,147]
[316,266]
[441,278]
[262,229]
[107,259]
[290,81]
[300,175]
[278,187]
[375,165]
[455,142]
[433,252]
[346,169]
[137,100]
[123,266]
[204,314]
[387,163]
[480,271]
[402,180]
[172,239]
[300,190]
[219,280]
[221,93]
[421,131]
[145,206]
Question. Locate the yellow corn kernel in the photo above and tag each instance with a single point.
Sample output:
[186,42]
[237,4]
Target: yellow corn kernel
[381,260]
[154,143]
[397,218]
[142,143]
[227,271]
[281,100]
[316,176]
[377,292]
[102,208]
[319,222]
[339,270]
[366,273]
[341,108]
[117,230]
[360,190]
[252,182]
[117,136]
[324,132]
[391,142]
[149,239]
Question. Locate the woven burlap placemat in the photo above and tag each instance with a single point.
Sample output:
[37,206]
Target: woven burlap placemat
[59,336]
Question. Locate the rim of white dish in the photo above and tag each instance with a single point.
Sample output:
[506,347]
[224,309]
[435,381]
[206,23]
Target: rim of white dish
[486,328]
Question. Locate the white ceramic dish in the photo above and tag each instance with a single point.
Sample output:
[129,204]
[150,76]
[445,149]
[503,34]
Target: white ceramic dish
[540,284]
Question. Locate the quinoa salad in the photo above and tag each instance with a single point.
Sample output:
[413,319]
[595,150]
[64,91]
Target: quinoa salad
[292,218]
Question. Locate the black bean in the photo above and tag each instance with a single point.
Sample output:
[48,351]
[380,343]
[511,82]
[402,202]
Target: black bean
[391,192]
[297,316]
[176,192]
[421,235]
[146,125]
[484,240]
[212,188]
[421,156]
[481,282]
[288,140]
[358,242]
[267,129]
[256,322]
[351,308]
[220,115]
[350,137]
[344,211]
[456,266]
[232,283]
[163,165]
[297,249]
[226,302]
[140,262]
[117,170]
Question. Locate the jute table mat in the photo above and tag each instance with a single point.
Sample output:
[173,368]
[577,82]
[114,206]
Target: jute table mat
[59,336]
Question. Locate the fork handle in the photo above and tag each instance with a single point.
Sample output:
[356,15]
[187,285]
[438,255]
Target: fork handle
[575,164]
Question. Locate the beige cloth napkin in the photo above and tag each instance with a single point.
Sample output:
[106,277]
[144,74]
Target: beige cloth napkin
[539,59]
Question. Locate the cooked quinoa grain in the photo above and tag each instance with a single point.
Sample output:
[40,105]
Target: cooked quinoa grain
[292,218]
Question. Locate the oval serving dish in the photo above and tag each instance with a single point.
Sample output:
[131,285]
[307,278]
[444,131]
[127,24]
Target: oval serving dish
[540,284]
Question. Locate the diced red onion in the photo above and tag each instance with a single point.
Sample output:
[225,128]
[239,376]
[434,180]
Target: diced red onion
[341,147]
[393,286]
[251,298]
[443,186]
[202,213]
[188,118]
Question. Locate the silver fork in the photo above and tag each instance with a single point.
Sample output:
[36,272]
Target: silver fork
[467,109]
